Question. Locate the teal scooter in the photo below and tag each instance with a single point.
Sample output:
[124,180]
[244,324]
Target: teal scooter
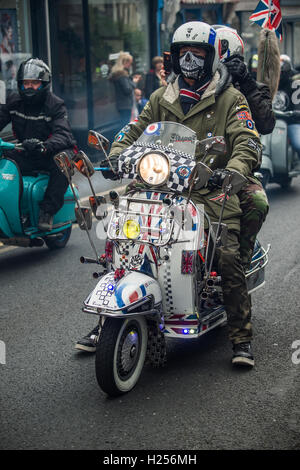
[19,207]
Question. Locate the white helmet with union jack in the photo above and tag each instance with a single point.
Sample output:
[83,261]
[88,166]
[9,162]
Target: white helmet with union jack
[229,43]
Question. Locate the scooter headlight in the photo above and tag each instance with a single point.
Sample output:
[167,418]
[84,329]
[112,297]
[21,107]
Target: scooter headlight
[154,168]
[131,229]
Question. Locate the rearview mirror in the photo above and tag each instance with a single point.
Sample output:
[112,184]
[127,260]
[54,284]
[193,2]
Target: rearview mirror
[203,175]
[235,180]
[213,145]
[98,206]
[84,217]
[83,164]
[64,163]
[98,141]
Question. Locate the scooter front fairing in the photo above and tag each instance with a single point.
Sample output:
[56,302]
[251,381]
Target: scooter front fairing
[134,293]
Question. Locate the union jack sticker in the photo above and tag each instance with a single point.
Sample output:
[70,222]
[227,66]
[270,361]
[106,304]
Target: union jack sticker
[219,198]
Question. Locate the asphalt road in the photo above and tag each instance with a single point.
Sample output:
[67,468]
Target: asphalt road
[48,392]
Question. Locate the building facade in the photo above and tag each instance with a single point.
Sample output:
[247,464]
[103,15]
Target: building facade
[80,40]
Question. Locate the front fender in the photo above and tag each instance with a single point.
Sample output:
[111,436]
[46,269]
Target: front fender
[131,289]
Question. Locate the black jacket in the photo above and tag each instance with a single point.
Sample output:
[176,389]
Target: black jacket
[151,84]
[260,103]
[124,87]
[47,122]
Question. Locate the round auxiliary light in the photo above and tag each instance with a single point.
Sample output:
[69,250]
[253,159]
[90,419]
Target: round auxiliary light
[154,168]
[131,229]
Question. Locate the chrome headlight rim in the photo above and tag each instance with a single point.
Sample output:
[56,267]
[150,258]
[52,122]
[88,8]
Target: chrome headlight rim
[156,152]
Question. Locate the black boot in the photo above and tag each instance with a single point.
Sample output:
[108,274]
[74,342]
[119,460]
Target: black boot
[45,221]
[242,354]
[88,342]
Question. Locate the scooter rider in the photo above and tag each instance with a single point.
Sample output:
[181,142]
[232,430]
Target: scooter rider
[199,100]
[39,121]
[257,94]
[285,101]
[253,199]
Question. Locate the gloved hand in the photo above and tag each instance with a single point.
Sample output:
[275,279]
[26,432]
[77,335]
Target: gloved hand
[237,68]
[108,174]
[217,179]
[33,146]
[239,72]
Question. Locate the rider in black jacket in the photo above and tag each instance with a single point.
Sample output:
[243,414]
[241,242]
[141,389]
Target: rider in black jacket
[257,94]
[39,121]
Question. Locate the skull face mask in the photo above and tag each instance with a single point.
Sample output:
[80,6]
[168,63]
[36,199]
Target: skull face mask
[192,66]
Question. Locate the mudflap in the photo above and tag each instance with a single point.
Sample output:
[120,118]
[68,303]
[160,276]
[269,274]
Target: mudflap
[156,346]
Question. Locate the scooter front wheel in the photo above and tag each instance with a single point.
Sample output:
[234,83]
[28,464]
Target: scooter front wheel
[120,354]
[58,241]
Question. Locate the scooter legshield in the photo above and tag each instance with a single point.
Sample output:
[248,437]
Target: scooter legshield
[10,195]
[33,194]
[122,295]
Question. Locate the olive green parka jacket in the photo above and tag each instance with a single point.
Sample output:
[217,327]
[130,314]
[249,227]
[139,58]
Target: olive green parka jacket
[222,111]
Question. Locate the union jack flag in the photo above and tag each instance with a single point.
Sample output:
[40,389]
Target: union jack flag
[268,15]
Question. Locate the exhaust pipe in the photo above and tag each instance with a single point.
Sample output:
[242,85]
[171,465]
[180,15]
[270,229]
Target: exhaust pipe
[214,281]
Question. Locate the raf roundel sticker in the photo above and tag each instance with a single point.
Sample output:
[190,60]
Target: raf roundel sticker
[249,124]
[183,171]
[153,129]
[120,137]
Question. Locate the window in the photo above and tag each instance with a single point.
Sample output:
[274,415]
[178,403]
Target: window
[15,45]
[120,25]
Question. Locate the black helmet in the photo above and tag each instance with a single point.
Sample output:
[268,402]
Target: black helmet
[34,69]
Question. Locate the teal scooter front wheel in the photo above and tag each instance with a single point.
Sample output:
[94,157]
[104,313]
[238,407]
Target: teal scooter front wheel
[58,241]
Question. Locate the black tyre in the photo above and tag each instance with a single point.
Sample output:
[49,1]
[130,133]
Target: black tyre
[286,182]
[265,177]
[58,241]
[120,354]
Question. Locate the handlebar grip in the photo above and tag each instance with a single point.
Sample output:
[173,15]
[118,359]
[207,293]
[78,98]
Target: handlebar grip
[85,260]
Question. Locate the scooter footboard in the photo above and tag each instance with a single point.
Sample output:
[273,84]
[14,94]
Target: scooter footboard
[255,276]
[135,293]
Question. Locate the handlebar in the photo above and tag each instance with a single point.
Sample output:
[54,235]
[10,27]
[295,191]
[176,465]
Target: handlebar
[9,145]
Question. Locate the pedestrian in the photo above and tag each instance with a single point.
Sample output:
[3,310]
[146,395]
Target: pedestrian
[124,86]
[139,100]
[203,101]
[153,78]
[39,121]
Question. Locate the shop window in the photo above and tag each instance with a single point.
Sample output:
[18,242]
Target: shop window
[115,26]
[69,60]
[296,42]
[15,46]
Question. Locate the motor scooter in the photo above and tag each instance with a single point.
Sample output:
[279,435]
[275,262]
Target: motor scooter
[279,159]
[19,207]
[158,278]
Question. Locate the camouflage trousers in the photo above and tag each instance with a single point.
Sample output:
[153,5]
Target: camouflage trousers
[235,294]
[255,207]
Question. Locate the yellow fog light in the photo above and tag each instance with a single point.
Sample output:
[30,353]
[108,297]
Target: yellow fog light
[154,168]
[131,229]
